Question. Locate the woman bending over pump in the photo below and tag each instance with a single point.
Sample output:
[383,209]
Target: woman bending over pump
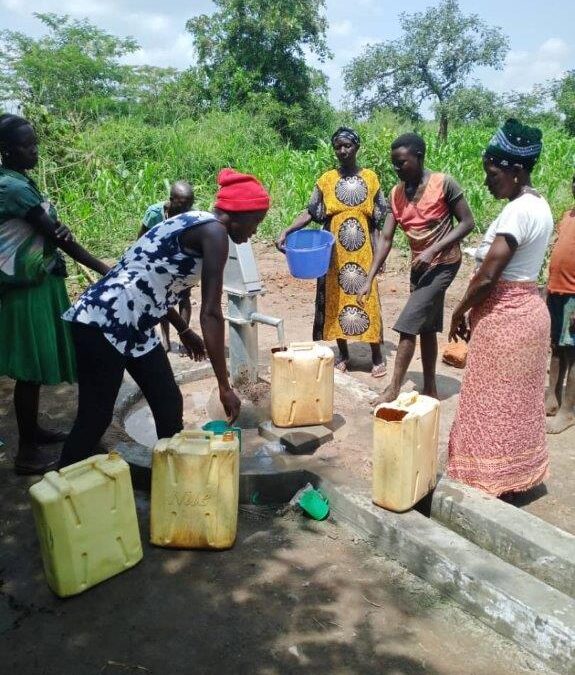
[113,321]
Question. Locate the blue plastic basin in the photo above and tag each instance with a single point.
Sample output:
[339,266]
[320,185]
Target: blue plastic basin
[308,253]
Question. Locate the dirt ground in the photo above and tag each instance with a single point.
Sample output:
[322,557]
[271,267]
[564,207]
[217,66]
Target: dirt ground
[294,299]
[291,595]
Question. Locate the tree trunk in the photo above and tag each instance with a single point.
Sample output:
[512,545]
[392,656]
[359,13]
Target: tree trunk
[443,123]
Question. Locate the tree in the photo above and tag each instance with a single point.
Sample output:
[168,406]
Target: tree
[73,68]
[432,61]
[564,95]
[474,104]
[257,48]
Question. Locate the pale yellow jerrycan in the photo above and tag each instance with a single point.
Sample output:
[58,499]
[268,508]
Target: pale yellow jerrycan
[302,385]
[405,443]
[195,490]
[86,522]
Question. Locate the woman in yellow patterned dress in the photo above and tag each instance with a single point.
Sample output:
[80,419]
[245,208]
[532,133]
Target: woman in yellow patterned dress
[348,202]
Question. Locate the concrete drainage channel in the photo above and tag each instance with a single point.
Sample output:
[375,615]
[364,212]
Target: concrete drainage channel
[508,568]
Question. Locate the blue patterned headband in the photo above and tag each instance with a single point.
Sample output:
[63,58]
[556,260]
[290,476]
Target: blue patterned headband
[515,144]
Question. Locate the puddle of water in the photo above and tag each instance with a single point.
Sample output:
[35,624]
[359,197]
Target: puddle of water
[201,403]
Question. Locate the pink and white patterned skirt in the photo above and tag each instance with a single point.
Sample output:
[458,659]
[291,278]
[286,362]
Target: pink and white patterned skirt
[497,441]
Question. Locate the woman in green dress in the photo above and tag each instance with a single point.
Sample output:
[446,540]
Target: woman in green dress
[35,344]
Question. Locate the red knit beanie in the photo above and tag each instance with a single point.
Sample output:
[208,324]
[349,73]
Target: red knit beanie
[240,192]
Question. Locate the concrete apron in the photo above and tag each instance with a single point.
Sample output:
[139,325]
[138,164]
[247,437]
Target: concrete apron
[508,568]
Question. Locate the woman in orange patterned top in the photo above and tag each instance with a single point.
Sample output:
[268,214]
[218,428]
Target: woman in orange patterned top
[424,205]
[348,202]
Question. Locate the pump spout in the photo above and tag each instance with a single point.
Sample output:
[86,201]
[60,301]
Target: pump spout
[256,317]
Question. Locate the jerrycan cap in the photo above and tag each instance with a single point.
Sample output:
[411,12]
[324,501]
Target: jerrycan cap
[222,428]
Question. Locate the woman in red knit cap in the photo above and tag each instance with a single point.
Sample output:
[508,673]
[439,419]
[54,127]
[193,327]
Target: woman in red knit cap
[113,321]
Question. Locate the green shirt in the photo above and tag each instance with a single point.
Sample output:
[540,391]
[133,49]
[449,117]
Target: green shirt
[156,213]
[25,255]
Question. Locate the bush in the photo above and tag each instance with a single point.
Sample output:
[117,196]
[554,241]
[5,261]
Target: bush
[104,177]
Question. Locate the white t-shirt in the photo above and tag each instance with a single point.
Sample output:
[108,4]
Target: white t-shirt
[528,219]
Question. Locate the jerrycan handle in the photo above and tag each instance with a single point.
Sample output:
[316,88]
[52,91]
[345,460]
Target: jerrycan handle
[302,346]
[407,399]
[78,468]
[213,485]
[198,434]
[61,479]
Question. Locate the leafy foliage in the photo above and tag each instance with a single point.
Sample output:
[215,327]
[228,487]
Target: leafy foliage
[478,104]
[252,53]
[120,166]
[74,67]
[432,60]
[564,94]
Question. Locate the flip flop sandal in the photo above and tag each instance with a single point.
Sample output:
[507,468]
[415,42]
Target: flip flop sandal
[379,370]
[341,366]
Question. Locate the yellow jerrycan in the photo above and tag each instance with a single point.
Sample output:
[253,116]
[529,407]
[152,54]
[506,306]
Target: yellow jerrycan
[195,490]
[302,385]
[405,443]
[86,523]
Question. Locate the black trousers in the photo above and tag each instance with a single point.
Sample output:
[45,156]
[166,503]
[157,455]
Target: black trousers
[101,369]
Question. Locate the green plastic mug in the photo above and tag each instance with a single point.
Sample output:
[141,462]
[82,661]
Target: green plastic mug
[314,504]
[220,427]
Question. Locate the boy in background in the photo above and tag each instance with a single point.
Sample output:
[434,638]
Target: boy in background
[559,403]
[181,200]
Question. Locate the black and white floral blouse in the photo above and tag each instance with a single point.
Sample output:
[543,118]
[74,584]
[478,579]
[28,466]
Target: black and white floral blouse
[131,299]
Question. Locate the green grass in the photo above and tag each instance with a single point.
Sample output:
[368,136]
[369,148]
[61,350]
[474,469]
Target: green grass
[109,173]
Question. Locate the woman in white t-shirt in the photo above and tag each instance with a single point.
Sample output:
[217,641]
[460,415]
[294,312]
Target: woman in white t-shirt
[497,440]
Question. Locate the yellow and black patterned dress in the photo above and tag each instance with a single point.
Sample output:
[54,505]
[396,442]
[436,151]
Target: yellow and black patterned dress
[352,209]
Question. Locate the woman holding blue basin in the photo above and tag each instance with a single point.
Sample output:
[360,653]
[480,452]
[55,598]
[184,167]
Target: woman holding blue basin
[347,202]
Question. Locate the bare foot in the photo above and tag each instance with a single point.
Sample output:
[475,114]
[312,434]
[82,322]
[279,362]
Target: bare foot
[563,420]
[390,393]
[431,392]
[551,405]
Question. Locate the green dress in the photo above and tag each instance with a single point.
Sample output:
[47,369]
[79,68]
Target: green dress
[35,344]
